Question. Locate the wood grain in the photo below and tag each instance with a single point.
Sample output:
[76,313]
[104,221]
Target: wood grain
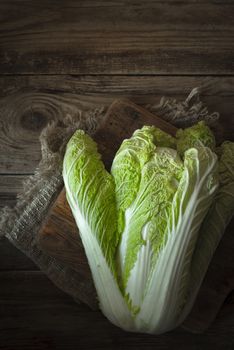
[43,318]
[10,186]
[127,38]
[29,103]
[112,48]
[89,87]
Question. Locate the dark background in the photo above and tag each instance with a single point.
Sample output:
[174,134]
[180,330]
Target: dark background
[58,56]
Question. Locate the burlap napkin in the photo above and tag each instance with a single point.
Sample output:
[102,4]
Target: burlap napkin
[21,224]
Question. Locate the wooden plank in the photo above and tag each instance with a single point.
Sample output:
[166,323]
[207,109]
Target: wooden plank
[10,186]
[90,86]
[152,38]
[24,282]
[11,259]
[31,102]
[36,315]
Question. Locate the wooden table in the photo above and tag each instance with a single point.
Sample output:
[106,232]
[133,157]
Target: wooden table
[58,56]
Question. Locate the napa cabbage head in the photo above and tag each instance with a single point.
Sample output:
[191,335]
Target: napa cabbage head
[141,222]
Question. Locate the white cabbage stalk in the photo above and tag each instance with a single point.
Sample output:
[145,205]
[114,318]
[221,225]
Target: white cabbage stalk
[145,226]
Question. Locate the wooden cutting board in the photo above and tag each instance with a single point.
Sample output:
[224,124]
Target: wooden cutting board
[59,236]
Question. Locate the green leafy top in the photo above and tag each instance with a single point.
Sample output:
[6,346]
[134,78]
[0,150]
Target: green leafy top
[195,136]
[91,188]
[226,162]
